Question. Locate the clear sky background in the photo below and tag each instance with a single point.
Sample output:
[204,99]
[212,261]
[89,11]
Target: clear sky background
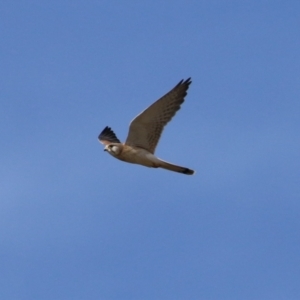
[79,224]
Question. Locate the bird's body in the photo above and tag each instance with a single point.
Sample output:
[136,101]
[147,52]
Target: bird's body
[134,155]
[145,131]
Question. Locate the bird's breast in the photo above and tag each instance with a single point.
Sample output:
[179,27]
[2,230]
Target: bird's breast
[137,155]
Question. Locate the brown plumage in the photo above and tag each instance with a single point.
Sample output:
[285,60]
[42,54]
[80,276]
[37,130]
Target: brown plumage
[145,131]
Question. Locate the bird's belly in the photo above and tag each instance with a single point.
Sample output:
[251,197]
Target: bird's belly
[138,156]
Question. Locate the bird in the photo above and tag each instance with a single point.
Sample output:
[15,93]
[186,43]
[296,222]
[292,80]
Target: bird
[145,131]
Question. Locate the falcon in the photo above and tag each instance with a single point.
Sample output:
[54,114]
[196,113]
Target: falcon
[145,131]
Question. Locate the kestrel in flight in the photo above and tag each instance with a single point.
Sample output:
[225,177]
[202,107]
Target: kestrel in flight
[145,131]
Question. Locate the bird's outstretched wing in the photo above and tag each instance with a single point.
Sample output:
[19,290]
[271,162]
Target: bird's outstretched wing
[145,130]
[107,136]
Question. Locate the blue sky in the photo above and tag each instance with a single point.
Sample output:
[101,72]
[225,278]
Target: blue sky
[78,224]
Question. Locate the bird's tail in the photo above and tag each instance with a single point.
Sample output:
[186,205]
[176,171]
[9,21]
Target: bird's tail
[171,167]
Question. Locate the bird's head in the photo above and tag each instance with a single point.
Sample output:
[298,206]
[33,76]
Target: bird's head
[113,149]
